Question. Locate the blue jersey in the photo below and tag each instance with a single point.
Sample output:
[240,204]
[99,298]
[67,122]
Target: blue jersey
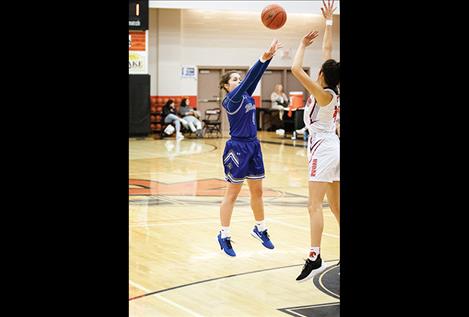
[240,105]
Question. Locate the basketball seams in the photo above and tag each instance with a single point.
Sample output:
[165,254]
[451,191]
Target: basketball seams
[279,17]
[273,16]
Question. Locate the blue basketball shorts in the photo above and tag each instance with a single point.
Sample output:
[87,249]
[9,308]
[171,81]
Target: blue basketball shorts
[243,159]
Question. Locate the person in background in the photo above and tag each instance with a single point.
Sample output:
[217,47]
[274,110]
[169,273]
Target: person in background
[171,117]
[191,116]
[279,100]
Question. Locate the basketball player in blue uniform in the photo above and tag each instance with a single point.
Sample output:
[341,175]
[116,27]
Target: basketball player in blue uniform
[242,158]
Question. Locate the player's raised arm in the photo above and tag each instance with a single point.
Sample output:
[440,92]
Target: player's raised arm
[327,12]
[323,98]
[255,72]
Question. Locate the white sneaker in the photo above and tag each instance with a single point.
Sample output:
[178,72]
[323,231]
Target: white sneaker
[179,136]
[280,132]
[301,131]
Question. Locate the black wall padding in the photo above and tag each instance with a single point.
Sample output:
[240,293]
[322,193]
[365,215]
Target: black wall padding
[139,105]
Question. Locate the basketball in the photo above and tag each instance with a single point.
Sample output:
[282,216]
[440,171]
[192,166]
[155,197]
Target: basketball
[274,16]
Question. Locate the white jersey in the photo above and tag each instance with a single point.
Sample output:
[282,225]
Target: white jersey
[321,119]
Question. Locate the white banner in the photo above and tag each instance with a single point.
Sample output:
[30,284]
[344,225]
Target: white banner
[137,62]
[138,52]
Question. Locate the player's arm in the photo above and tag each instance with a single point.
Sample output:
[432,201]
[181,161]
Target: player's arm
[265,58]
[327,12]
[255,73]
[322,97]
[255,81]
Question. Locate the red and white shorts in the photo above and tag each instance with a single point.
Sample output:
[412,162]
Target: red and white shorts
[323,157]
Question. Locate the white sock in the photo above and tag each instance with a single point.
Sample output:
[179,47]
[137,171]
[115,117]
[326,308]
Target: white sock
[261,225]
[313,253]
[225,232]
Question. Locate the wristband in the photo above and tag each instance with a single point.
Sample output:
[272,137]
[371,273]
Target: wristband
[328,22]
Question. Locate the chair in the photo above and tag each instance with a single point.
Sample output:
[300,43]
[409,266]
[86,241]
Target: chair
[212,122]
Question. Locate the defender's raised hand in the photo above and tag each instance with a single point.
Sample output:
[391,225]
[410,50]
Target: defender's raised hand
[309,38]
[328,9]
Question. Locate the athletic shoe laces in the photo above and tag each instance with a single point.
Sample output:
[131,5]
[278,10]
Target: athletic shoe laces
[306,264]
[228,243]
[265,234]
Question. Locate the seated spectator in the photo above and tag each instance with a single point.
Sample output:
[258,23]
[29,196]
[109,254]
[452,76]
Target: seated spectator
[170,116]
[279,100]
[191,116]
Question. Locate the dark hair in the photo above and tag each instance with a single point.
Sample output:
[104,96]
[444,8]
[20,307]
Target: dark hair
[331,71]
[183,102]
[225,78]
[169,102]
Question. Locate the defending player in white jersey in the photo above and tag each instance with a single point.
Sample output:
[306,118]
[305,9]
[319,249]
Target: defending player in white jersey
[323,143]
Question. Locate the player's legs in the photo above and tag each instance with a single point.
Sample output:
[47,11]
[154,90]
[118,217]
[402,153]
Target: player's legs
[255,174]
[333,198]
[257,202]
[314,263]
[317,191]
[259,231]
[226,208]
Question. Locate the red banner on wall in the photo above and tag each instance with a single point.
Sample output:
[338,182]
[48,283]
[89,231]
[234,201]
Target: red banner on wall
[136,41]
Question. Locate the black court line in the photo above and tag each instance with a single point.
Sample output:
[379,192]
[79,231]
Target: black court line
[217,278]
[319,310]
[318,282]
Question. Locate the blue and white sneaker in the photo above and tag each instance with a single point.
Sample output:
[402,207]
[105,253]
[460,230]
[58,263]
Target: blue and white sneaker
[225,245]
[263,237]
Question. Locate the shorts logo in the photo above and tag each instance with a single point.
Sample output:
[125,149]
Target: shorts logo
[231,156]
[314,166]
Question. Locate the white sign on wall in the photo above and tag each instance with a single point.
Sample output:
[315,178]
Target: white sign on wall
[189,72]
[137,63]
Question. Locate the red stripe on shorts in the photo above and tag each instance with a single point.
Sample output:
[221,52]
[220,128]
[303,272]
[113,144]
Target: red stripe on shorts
[313,168]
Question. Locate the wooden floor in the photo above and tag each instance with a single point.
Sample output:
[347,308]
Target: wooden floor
[176,266]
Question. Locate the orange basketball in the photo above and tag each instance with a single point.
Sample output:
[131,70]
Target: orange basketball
[274,16]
